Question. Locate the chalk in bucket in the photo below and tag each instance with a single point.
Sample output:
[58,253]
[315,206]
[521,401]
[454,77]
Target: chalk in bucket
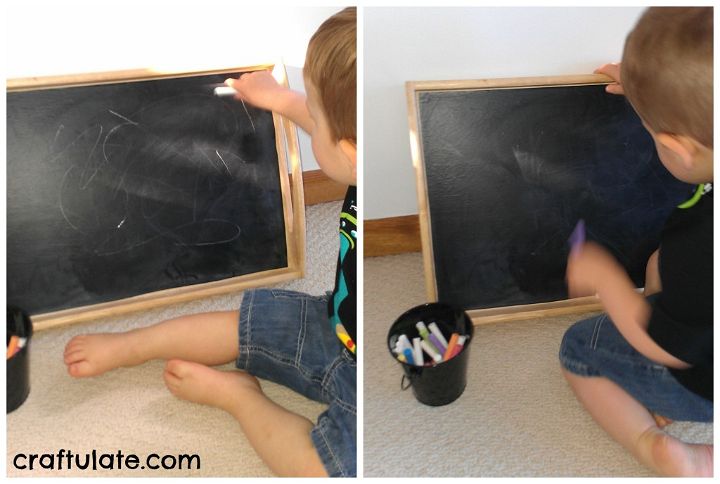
[425,342]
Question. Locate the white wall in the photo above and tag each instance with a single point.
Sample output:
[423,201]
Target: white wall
[71,36]
[404,44]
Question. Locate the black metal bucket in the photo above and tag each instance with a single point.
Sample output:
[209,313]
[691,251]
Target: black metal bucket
[444,382]
[18,365]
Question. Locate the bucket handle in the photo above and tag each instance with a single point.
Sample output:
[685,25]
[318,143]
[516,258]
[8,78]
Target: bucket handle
[404,387]
[410,376]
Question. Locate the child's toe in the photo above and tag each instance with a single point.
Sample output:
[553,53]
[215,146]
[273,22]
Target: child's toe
[177,368]
[73,344]
[79,369]
[171,380]
[72,356]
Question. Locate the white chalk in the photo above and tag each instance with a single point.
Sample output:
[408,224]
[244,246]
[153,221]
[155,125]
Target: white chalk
[438,334]
[417,352]
[222,91]
[431,351]
[403,342]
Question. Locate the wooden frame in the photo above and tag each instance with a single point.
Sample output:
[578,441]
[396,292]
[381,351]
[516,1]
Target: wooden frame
[500,314]
[286,141]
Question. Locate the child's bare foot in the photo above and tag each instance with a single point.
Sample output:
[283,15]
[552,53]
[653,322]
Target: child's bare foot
[94,354]
[672,457]
[661,421]
[201,384]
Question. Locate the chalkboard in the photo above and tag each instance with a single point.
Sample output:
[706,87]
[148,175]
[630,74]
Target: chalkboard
[506,170]
[122,189]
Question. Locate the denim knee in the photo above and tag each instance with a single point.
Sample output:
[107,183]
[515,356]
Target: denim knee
[577,344]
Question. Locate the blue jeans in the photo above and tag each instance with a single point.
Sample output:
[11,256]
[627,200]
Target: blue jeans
[285,337]
[594,347]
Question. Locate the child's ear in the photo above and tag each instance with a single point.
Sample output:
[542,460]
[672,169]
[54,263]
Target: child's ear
[349,149]
[684,147]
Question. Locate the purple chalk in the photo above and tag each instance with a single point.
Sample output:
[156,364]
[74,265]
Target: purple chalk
[577,238]
[440,347]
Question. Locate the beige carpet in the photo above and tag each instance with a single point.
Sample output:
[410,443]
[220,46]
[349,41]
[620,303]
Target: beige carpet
[517,416]
[131,410]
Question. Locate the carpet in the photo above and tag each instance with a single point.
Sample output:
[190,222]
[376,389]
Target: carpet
[517,416]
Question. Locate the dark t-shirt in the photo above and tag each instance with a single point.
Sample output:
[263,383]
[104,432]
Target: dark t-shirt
[682,315]
[342,305]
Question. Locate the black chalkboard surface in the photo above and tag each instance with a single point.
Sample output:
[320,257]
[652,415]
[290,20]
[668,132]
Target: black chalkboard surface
[122,189]
[509,171]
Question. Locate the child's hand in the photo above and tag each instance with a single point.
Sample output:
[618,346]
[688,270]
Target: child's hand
[612,71]
[258,88]
[589,267]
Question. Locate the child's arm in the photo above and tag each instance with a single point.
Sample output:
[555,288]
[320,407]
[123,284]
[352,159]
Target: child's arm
[652,275]
[612,71]
[593,270]
[262,90]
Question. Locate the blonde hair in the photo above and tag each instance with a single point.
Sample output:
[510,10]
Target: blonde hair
[667,71]
[330,64]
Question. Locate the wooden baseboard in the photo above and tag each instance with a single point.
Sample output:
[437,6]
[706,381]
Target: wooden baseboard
[393,235]
[319,188]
